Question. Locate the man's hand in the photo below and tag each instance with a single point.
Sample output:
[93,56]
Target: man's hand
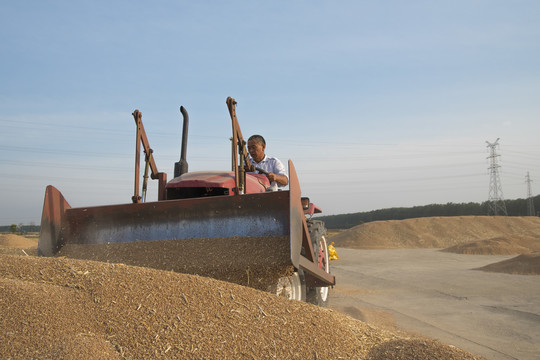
[280,179]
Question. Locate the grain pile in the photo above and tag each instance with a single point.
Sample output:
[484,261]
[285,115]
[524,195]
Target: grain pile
[17,245]
[476,235]
[72,309]
[442,232]
[17,242]
[219,258]
[526,264]
[501,245]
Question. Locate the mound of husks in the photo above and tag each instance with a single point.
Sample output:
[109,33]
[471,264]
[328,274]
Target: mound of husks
[525,264]
[475,235]
[503,245]
[444,232]
[59,308]
[17,245]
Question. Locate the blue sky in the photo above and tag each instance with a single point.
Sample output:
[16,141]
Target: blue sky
[378,104]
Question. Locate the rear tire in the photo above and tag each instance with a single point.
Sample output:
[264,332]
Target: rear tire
[317,232]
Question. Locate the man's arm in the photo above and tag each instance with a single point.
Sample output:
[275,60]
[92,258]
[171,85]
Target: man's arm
[279,173]
[280,179]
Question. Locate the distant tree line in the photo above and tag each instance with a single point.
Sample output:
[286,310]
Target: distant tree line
[19,228]
[516,207]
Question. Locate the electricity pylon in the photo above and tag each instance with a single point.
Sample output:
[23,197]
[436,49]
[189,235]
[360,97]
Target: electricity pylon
[530,202]
[496,205]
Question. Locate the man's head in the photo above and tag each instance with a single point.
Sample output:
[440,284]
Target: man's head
[256,146]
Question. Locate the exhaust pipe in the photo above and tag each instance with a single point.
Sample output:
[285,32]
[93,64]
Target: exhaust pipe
[181,167]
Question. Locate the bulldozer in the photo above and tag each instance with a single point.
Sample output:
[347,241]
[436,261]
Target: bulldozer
[219,224]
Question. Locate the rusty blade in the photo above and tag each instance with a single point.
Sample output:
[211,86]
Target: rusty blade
[263,214]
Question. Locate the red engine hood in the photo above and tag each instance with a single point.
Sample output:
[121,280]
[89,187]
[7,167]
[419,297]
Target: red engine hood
[255,183]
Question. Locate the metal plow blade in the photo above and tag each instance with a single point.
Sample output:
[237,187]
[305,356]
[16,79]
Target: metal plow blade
[241,239]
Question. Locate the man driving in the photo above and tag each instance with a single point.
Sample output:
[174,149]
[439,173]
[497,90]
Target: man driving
[275,171]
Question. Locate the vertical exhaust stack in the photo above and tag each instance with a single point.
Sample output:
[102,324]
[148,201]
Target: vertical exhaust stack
[181,167]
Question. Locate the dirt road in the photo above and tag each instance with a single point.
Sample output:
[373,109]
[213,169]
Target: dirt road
[437,294]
